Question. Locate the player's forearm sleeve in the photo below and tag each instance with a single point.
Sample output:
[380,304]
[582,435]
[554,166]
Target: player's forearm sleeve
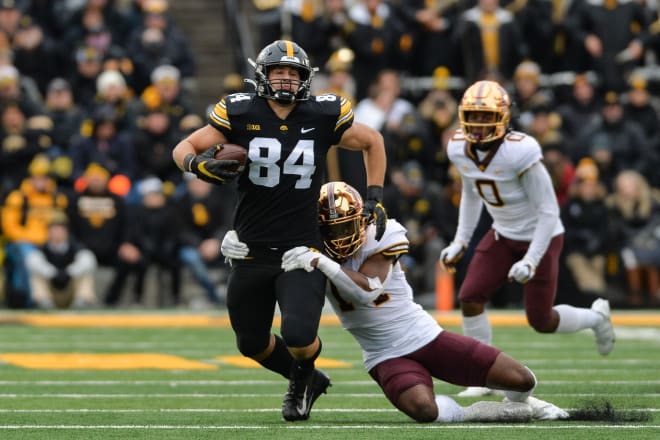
[468,213]
[348,289]
[538,186]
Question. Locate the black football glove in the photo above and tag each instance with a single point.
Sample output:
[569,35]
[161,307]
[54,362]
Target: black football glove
[209,169]
[374,209]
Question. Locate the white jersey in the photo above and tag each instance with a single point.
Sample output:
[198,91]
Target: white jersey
[496,180]
[393,324]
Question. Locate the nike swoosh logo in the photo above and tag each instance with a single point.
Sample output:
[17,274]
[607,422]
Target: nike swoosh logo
[303,408]
[307,130]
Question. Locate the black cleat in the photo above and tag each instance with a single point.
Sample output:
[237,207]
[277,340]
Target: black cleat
[302,393]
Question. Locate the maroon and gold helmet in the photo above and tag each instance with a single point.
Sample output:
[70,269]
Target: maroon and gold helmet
[493,102]
[340,217]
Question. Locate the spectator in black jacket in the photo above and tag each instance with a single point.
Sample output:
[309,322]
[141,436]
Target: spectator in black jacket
[204,217]
[62,270]
[98,219]
[585,217]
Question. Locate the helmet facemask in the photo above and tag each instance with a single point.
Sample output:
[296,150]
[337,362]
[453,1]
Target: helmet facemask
[343,228]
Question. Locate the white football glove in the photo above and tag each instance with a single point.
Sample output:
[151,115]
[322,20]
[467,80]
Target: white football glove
[450,255]
[522,271]
[232,248]
[300,257]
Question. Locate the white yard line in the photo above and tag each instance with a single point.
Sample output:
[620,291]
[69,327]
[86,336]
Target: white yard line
[257,395]
[219,410]
[431,426]
[266,382]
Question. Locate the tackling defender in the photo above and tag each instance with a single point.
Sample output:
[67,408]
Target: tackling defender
[502,170]
[403,346]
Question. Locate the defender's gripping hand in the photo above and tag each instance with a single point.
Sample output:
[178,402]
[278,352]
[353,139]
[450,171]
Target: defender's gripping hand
[374,209]
[232,248]
[522,271]
[209,169]
[300,257]
[450,255]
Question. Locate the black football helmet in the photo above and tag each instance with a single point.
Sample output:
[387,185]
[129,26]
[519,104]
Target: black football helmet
[283,53]
[343,227]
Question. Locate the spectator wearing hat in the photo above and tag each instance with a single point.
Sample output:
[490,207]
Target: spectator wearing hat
[528,93]
[640,106]
[439,111]
[19,89]
[100,20]
[98,219]
[15,149]
[105,145]
[116,58]
[25,216]
[615,142]
[151,241]
[338,76]
[164,94]
[578,114]
[112,90]
[61,270]
[157,41]
[34,51]
[586,218]
[66,115]
[155,136]
[88,65]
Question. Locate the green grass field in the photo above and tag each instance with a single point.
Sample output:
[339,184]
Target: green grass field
[168,377]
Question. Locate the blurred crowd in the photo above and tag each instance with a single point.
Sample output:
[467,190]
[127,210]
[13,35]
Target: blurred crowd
[94,94]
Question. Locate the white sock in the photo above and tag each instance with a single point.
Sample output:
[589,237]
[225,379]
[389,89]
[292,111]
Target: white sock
[479,328]
[572,319]
[448,409]
[521,396]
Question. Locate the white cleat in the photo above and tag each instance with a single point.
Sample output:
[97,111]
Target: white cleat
[604,331]
[503,412]
[475,392]
[543,410]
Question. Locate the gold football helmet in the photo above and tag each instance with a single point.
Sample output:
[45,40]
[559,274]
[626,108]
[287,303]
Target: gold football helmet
[340,217]
[484,112]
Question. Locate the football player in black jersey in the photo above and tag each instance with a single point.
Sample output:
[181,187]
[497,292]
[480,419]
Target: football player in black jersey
[287,132]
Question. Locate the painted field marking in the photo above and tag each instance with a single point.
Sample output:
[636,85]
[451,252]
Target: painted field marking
[102,361]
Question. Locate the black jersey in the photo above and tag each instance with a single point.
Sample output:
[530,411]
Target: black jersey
[279,189]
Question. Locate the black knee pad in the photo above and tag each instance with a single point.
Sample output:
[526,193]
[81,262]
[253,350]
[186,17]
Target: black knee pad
[298,337]
[251,345]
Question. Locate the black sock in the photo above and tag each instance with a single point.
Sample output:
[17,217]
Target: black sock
[280,360]
[308,364]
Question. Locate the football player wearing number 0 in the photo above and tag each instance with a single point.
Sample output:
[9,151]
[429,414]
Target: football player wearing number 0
[502,170]
[403,347]
[287,133]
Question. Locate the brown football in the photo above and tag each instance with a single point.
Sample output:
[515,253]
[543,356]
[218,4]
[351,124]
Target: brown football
[232,152]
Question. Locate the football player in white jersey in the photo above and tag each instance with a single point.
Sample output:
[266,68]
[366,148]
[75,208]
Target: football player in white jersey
[503,170]
[403,347]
